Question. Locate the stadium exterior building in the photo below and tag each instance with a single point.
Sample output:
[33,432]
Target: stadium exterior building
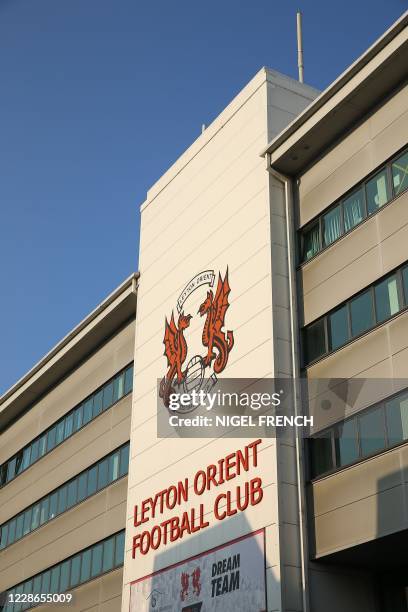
[293,207]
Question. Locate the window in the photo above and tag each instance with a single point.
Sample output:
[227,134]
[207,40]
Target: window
[322,454]
[96,566]
[97,407]
[377,192]
[346,443]
[124,460]
[62,499]
[35,518]
[60,432]
[86,565]
[34,451]
[114,467]
[339,327]
[387,301]
[107,399]
[332,226]
[19,526]
[128,379]
[405,283]
[92,480]
[3,536]
[108,550]
[55,576]
[372,431]
[64,578]
[26,457]
[75,571]
[87,411]
[103,474]
[77,418]
[11,532]
[44,516]
[315,340]
[399,171]
[120,548]
[311,242]
[361,309]
[27,521]
[69,425]
[45,586]
[353,207]
[51,439]
[11,469]
[42,445]
[118,387]
[397,419]
[82,481]
[53,505]
[72,493]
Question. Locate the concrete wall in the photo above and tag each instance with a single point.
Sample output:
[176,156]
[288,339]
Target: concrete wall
[211,210]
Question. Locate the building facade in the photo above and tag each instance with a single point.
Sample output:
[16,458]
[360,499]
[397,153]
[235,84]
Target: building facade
[64,461]
[290,211]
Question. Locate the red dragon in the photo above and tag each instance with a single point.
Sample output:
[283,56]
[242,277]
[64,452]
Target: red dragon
[213,335]
[176,352]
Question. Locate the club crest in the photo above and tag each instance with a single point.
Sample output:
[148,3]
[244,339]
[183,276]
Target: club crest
[216,341]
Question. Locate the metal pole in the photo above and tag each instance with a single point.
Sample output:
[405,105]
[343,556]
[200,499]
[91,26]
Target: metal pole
[299,45]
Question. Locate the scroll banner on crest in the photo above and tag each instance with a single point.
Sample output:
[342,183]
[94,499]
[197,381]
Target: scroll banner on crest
[203,278]
[229,578]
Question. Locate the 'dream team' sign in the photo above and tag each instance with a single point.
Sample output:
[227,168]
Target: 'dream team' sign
[229,578]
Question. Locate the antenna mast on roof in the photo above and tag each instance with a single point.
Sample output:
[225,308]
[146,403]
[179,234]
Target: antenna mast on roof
[299,45]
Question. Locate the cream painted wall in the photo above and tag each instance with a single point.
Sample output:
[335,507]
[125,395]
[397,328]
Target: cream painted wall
[218,207]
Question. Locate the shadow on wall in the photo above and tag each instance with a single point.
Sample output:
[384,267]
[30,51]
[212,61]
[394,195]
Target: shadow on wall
[229,575]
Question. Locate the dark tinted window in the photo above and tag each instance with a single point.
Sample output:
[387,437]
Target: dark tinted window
[315,340]
[346,442]
[82,481]
[120,548]
[87,414]
[129,379]
[108,552]
[97,406]
[322,455]
[311,242]
[332,227]
[92,475]
[62,499]
[372,431]
[72,493]
[64,577]
[107,398]
[69,425]
[339,327]
[397,419]
[103,474]
[86,565]
[361,309]
[75,570]
[51,438]
[124,460]
[96,566]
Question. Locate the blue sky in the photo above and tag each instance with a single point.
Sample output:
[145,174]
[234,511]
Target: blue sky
[98,98]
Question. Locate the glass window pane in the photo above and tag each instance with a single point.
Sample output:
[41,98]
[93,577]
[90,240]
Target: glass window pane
[118,387]
[405,283]
[55,576]
[3,474]
[96,567]
[45,584]
[53,505]
[372,431]
[64,578]
[107,396]
[19,462]
[346,442]
[361,309]
[108,549]
[82,486]
[44,510]
[27,521]
[86,565]
[26,457]
[51,438]
[87,415]
[353,210]
[78,418]
[37,585]
[60,432]
[400,174]
[339,329]
[332,226]
[113,467]
[322,456]
[34,451]
[69,425]
[315,340]
[19,526]
[103,474]
[3,536]
[92,474]
[311,242]
[35,518]
[62,499]
[42,445]
[11,469]
[386,298]
[75,570]
[11,532]
[72,493]
[97,408]
[129,379]
[120,548]
[377,192]
[397,419]
[124,460]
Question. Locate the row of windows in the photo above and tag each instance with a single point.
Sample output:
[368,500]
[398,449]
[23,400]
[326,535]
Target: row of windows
[78,417]
[371,431]
[65,576]
[368,197]
[87,483]
[369,308]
